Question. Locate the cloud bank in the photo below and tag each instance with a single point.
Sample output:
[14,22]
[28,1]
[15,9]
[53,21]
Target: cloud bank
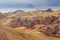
[29,4]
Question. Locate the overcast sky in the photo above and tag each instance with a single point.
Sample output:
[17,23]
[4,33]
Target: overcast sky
[9,5]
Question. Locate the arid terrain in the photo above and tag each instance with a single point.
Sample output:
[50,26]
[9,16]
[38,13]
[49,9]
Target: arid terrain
[31,25]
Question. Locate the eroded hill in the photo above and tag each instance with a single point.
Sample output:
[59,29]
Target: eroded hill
[34,25]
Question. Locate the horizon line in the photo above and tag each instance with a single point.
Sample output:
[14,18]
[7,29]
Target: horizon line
[12,10]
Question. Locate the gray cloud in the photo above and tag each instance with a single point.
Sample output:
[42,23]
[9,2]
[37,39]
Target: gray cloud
[29,4]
